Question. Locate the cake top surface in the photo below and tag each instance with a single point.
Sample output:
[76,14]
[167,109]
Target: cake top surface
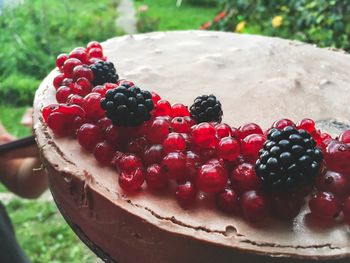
[257,79]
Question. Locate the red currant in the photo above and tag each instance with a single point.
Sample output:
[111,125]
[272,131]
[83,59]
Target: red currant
[132,180]
[103,153]
[95,53]
[244,178]
[212,178]
[162,108]
[75,99]
[137,146]
[62,94]
[251,146]
[61,58]
[179,110]
[285,206]
[324,206]
[307,125]
[174,165]
[174,142]
[69,65]
[93,44]
[158,131]
[345,136]
[180,124]
[92,106]
[337,156]
[155,178]
[248,129]
[79,54]
[223,130]
[335,183]
[186,194]
[154,154]
[281,124]
[254,206]
[129,162]
[227,200]
[113,136]
[228,148]
[89,135]
[155,97]
[57,81]
[204,135]
[82,71]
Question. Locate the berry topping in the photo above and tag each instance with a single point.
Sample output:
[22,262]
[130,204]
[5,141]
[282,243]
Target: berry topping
[206,109]
[131,180]
[289,160]
[104,71]
[325,206]
[227,200]
[254,206]
[212,178]
[127,107]
[186,194]
[155,178]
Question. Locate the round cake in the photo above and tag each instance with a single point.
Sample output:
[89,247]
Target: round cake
[257,79]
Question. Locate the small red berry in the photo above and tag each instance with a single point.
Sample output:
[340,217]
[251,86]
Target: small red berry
[174,165]
[345,136]
[103,153]
[125,82]
[89,135]
[82,71]
[228,148]
[57,123]
[155,178]
[129,162]
[95,52]
[67,82]
[155,97]
[113,136]
[204,135]
[104,123]
[281,124]
[117,156]
[335,183]
[307,125]
[179,110]
[254,206]
[79,54]
[93,44]
[154,154]
[193,163]
[75,99]
[186,194]
[227,200]
[337,156]
[174,142]
[223,130]
[251,146]
[162,108]
[62,94]
[158,131]
[212,178]
[92,106]
[286,206]
[131,181]
[137,146]
[244,178]
[61,58]
[47,110]
[69,65]
[57,81]
[324,206]
[248,129]
[180,124]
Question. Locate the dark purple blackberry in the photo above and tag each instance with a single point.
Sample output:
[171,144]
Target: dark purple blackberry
[128,107]
[104,71]
[289,160]
[206,109]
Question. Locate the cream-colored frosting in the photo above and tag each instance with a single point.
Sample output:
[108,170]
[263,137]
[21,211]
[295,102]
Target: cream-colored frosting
[257,79]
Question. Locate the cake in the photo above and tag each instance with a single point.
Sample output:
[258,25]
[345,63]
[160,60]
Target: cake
[257,79]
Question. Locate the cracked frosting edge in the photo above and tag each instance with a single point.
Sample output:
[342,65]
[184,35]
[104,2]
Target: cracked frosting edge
[65,161]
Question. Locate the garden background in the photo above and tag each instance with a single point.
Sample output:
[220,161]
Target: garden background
[34,32]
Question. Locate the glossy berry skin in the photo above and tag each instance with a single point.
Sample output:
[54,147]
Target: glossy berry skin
[180,124]
[153,155]
[93,44]
[174,142]
[324,206]
[337,156]
[82,71]
[129,162]
[227,200]
[80,54]
[57,123]
[281,124]
[223,130]
[251,146]
[104,123]
[155,178]
[193,163]
[113,136]
[117,156]
[346,210]
[131,181]
[248,129]
[186,194]
[69,65]
[174,165]
[96,53]
[57,81]
[62,94]
[61,58]
[345,136]
[228,148]
[179,110]
[254,206]
[89,135]
[103,153]
[333,182]
[75,99]
[92,106]
[286,206]
[204,135]
[137,146]
[212,178]
[155,97]
[162,108]
[244,178]
[307,125]
[158,131]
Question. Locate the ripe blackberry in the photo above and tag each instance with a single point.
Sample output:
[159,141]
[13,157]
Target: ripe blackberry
[206,109]
[289,160]
[128,107]
[104,71]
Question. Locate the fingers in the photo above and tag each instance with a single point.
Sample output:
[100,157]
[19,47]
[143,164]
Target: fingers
[27,118]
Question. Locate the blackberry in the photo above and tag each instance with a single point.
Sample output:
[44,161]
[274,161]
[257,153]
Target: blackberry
[206,109]
[289,160]
[127,107]
[104,71]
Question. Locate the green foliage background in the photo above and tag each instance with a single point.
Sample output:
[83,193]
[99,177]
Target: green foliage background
[35,32]
[323,22]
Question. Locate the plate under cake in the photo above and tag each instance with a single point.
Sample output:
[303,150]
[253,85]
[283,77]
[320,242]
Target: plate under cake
[257,79]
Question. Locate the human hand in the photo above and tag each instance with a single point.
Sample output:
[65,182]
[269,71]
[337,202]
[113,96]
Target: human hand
[27,118]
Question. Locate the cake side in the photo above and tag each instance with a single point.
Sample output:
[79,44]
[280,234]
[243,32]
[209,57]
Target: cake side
[229,232]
